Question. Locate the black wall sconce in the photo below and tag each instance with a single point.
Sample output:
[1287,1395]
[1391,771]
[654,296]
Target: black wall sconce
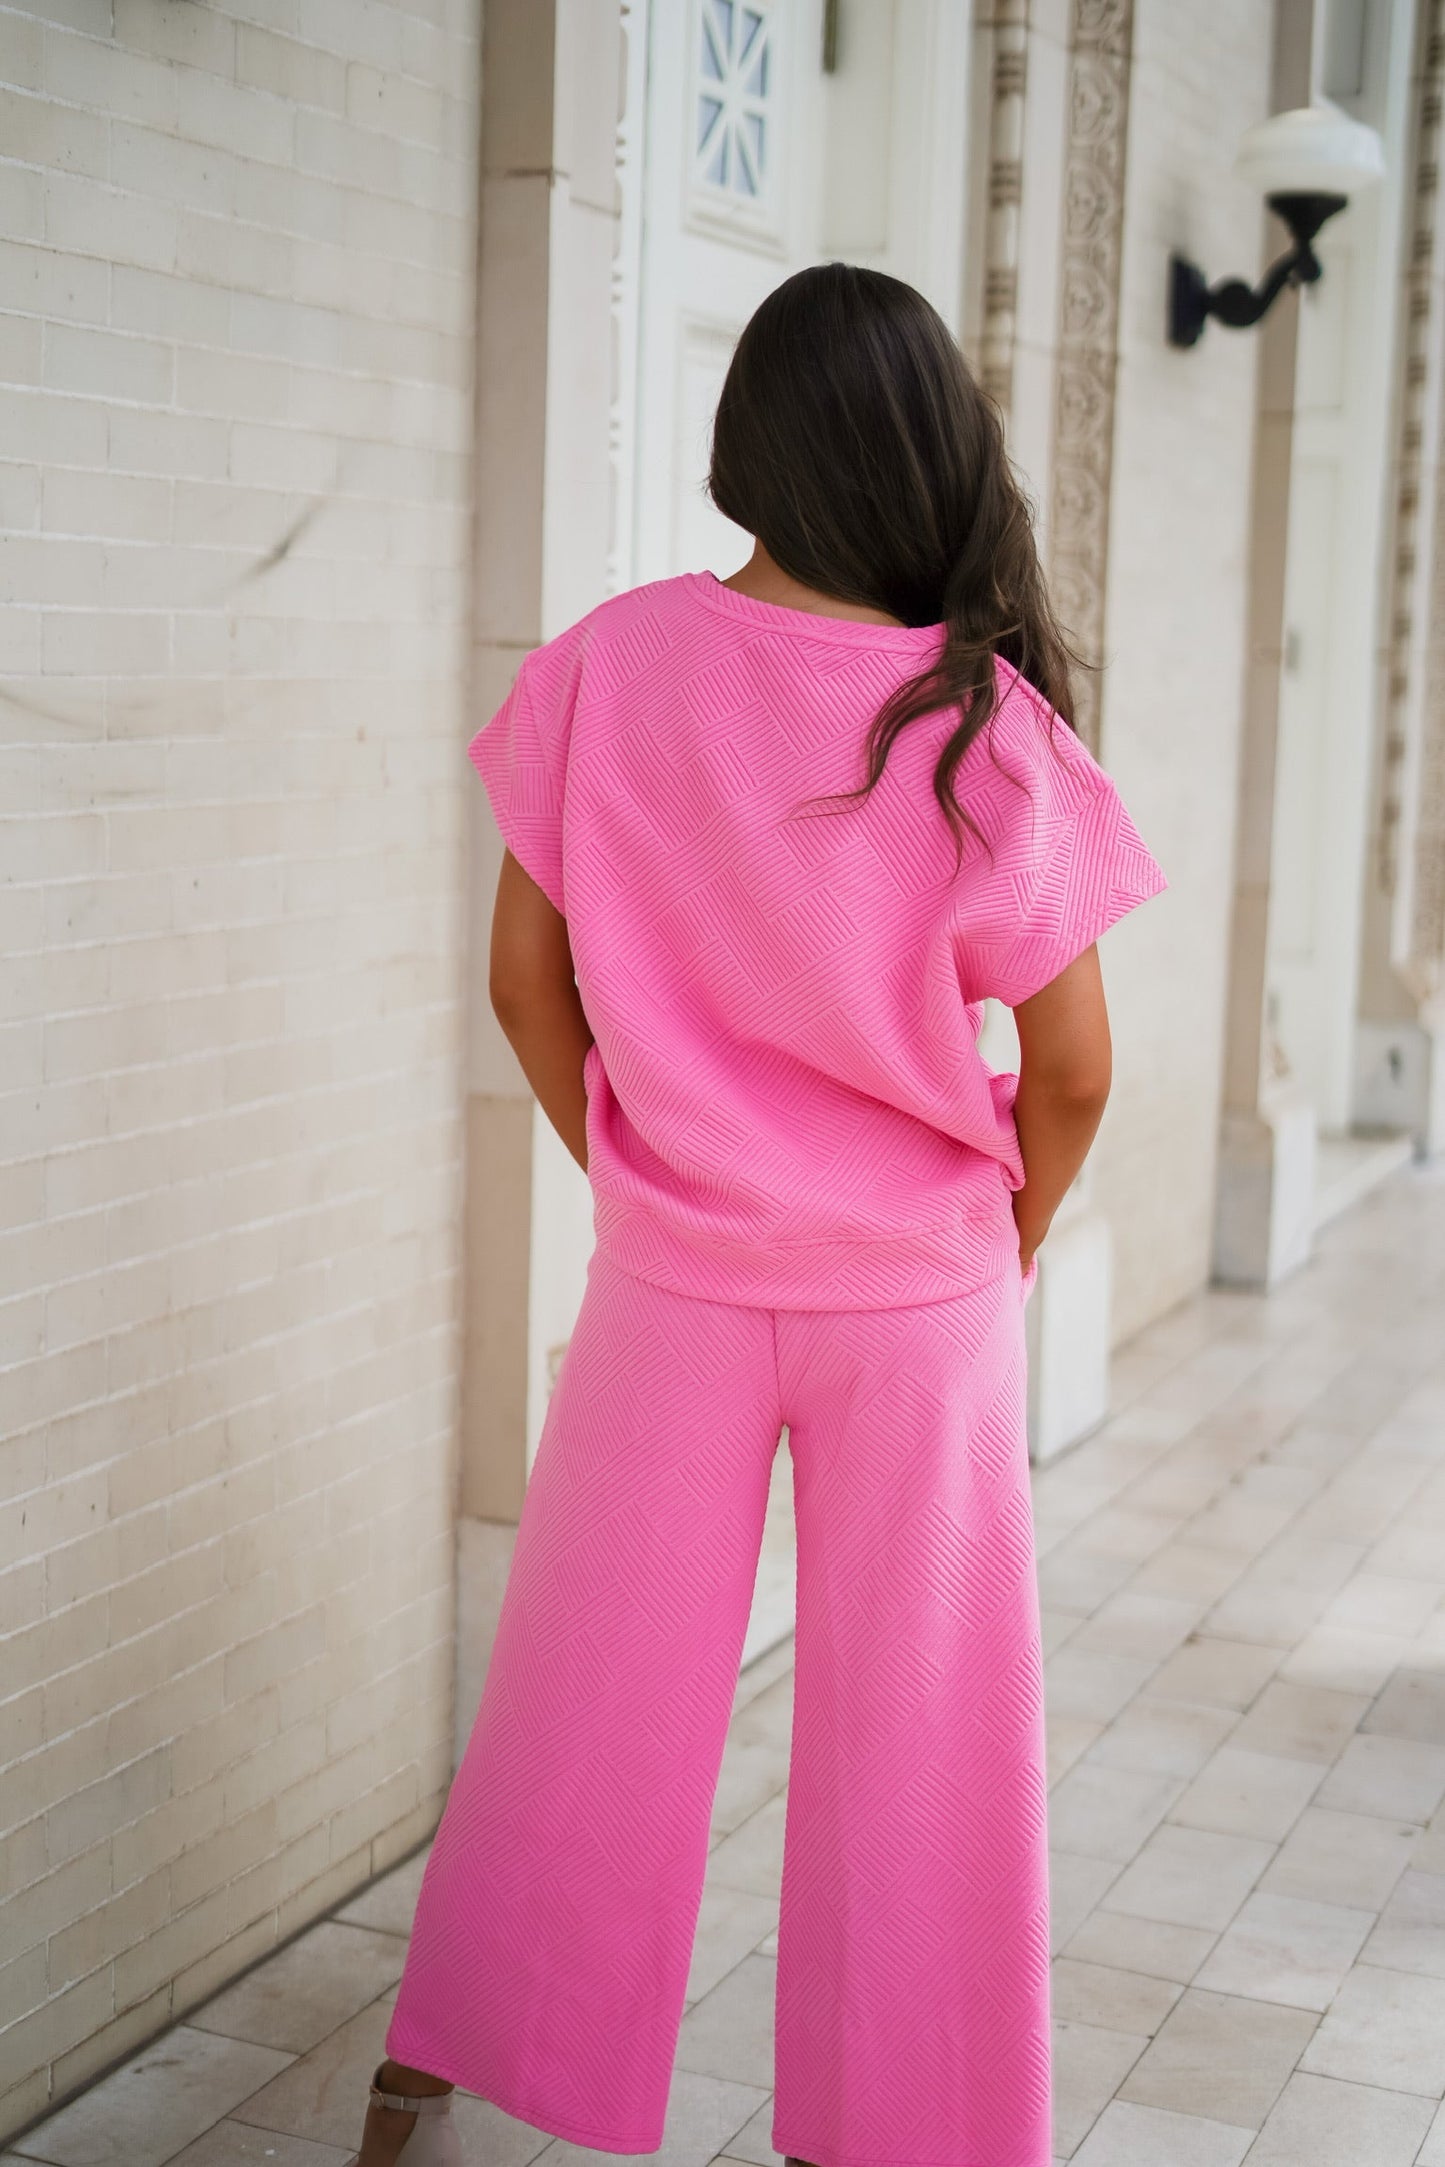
[1307,163]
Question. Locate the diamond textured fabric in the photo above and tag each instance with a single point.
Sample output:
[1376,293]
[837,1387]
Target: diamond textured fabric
[786,1101]
[549,1959]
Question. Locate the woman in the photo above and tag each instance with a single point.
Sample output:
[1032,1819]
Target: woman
[772,841]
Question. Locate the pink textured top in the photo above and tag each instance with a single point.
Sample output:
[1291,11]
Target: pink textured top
[786,1102]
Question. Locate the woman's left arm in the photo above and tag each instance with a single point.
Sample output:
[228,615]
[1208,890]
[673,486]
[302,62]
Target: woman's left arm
[534,997]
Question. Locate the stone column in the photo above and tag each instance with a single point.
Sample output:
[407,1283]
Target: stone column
[1400,1072]
[543,483]
[1044,341]
[1266,1185]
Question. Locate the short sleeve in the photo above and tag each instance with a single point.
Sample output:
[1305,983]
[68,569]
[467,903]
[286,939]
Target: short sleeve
[1067,863]
[521,756]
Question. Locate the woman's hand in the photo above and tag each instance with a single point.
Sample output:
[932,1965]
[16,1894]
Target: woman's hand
[535,999]
[1065,1070]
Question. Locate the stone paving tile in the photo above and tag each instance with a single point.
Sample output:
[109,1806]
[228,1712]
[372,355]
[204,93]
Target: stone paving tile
[322,2095]
[1129,2136]
[1121,2001]
[753,2143]
[1241,1526]
[1125,1531]
[232,2144]
[1383,1603]
[1078,1683]
[1177,1483]
[1090,2062]
[1408,1548]
[1411,1933]
[1157,1947]
[1287,1949]
[763,1671]
[325,2107]
[1248,1794]
[1318,2122]
[1432,2151]
[1228,1673]
[1056,1626]
[705,2116]
[1185,1570]
[1342,1858]
[1345,1661]
[388,1905]
[1308,1446]
[751,1857]
[1396,1778]
[755,1765]
[731,1923]
[1302,1722]
[729,2033]
[1428,1856]
[1098,1812]
[1066,1738]
[305,1990]
[1075,1578]
[1149,1627]
[1411,1705]
[1220,2055]
[1267,1605]
[1173,1738]
[1385,2028]
[1360,1504]
[144,2112]
[1075,1886]
[1190,1876]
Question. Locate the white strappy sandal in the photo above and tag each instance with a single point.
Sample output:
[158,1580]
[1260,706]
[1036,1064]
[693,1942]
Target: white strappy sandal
[433,2141]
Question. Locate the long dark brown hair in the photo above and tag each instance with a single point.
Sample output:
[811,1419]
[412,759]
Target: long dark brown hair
[853,441]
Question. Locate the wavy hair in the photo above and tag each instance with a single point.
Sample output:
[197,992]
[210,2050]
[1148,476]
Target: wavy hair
[853,441]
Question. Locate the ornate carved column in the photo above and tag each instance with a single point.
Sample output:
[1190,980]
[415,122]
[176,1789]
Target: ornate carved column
[1088,359]
[1009,21]
[1401,1075]
[1424,895]
[1047,349]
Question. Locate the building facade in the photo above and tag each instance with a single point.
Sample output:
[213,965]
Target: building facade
[347,350]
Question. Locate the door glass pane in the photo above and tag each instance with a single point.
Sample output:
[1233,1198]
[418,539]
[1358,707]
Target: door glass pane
[734,137]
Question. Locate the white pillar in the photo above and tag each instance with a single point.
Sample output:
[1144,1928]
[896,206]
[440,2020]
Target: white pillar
[544,487]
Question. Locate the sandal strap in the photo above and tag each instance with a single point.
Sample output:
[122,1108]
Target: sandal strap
[427,2103]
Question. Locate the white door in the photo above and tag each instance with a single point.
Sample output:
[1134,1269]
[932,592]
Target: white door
[731,202]
[777,133]
[763,149]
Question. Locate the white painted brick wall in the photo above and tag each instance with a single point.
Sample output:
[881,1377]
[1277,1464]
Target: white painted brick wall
[236,278]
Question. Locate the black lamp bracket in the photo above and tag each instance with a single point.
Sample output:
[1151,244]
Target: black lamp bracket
[1192,300]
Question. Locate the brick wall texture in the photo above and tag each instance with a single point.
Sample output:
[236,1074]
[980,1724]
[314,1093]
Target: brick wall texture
[236,278]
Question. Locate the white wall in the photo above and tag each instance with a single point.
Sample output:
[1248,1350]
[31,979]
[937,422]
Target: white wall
[236,252]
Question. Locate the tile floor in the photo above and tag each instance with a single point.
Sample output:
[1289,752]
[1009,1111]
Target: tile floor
[1242,1577]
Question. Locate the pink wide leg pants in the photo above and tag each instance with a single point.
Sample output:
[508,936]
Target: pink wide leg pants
[549,1959]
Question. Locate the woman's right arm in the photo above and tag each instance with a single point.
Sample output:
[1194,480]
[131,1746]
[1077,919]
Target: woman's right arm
[1065,1070]
[535,1000]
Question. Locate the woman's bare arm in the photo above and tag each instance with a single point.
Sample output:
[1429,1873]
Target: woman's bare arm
[1065,1070]
[535,999]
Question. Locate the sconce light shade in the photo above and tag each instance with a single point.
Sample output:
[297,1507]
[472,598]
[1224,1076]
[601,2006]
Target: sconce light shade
[1316,150]
[1306,164]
